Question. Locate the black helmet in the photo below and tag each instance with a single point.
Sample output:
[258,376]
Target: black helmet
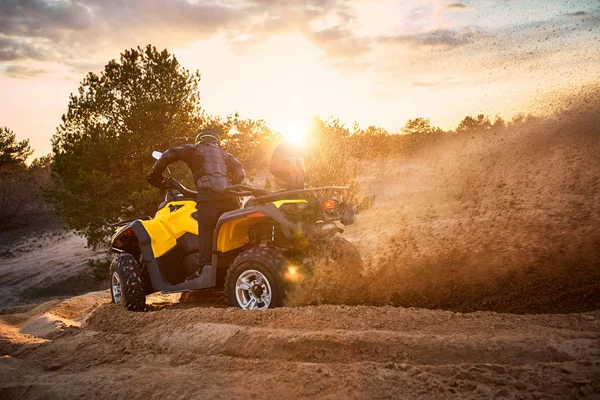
[208,136]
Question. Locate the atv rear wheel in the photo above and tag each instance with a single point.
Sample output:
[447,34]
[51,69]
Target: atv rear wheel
[127,282]
[343,253]
[255,281]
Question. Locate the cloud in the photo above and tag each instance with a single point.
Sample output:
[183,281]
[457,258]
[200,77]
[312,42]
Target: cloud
[340,43]
[72,32]
[12,49]
[457,7]
[42,18]
[311,19]
[439,38]
[84,34]
[23,71]
[59,19]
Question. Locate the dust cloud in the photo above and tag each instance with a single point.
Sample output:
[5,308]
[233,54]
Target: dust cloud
[504,220]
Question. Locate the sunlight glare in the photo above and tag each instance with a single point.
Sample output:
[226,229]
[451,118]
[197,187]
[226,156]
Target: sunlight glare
[295,134]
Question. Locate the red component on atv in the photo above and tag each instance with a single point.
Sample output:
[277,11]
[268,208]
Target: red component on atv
[329,204]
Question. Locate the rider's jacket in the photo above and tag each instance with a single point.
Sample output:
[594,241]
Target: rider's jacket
[210,165]
[215,167]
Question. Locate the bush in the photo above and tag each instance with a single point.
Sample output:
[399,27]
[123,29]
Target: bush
[100,268]
[20,198]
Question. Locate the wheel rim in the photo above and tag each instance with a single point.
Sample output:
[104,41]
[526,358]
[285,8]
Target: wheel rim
[116,287]
[253,290]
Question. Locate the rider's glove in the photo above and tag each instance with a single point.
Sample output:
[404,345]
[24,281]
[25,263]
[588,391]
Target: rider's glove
[157,180]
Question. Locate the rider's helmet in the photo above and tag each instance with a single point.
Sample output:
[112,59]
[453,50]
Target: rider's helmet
[208,136]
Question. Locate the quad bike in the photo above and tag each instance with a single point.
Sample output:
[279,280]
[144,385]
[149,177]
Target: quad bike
[259,251]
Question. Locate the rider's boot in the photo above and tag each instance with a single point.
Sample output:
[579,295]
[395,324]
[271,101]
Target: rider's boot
[196,274]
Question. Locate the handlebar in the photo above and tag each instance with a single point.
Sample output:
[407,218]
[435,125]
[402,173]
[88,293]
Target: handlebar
[182,189]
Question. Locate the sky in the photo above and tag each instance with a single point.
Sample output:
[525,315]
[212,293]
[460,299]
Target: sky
[376,62]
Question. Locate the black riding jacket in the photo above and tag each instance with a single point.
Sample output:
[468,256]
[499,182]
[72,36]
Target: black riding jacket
[187,153]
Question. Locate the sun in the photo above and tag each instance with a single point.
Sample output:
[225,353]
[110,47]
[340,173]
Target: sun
[295,133]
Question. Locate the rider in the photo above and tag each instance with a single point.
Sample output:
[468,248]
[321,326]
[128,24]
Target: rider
[213,169]
[287,164]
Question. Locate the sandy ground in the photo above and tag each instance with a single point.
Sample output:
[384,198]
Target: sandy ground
[483,281]
[43,260]
[323,352]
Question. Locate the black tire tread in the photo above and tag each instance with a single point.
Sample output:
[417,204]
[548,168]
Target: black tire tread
[133,281]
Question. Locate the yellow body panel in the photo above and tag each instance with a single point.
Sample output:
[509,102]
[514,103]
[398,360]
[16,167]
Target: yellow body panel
[179,221]
[168,226]
[279,203]
[234,234]
[162,240]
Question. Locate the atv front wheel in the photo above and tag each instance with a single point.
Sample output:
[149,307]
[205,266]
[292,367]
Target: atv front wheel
[127,283]
[255,279]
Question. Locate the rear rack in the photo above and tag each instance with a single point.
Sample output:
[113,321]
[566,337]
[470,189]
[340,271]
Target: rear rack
[261,195]
[287,194]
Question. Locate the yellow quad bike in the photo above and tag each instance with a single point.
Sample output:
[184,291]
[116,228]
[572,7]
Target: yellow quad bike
[259,250]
